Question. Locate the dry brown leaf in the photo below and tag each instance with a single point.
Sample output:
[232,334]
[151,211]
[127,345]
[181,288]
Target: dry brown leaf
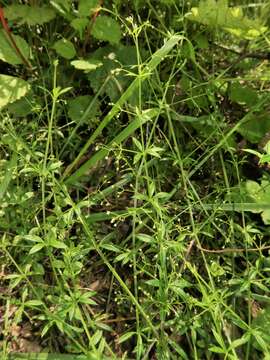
[15,330]
[255,308]
[26,346]
[95,285]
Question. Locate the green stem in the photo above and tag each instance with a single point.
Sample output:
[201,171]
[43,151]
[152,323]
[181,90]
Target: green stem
[157,57]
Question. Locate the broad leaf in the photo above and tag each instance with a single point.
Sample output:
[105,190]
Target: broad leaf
[87,7]
[266,217]
[251,192]
[255,128]
[218,14]
[123,59]
[7,51]
[107,29]
[65,48]
[11,89]
[78,106]
[243,94]
[254,191]
[24,106]
[31,15]
[80,25]
[260,325]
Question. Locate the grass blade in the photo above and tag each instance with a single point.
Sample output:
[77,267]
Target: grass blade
[124,134]
[8,175]
[240,207]
[157,57]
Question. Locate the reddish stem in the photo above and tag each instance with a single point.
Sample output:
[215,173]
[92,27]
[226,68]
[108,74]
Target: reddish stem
[90,27]
[11,39]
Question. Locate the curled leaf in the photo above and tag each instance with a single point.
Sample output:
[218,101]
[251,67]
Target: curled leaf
[86,65]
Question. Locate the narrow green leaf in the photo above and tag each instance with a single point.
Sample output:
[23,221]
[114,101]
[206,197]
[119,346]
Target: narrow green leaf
[34,238]
[8,175]
[241,341]
[216,349]
[95,339]
[86,65]
[110,247]
[103,216]
[33,303]
[238,207]
[57,244]
[145,238]
[126,336]
[153,282]
[63,4]
[63,8]
[137,144]
[36,248]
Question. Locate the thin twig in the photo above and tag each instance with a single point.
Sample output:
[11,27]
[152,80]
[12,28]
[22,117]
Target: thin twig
[230,250]
[260,56]
[90,27]
[190,246]
[120,319]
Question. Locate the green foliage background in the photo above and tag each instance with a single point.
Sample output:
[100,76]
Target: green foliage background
[134,179]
